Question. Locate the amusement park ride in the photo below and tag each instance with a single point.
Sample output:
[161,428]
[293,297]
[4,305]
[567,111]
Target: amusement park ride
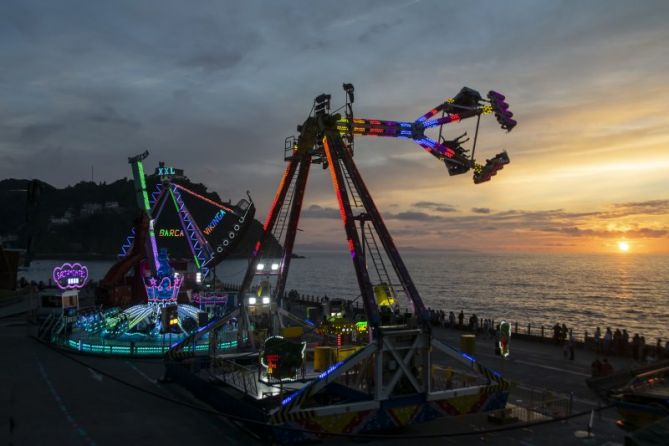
[155,284]
[392,379]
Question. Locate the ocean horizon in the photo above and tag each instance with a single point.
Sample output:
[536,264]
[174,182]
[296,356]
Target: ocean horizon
[627,291]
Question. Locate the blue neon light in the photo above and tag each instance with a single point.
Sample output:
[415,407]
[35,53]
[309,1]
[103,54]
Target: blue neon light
[331,369]
[465,355]
[431,143]
[292,397]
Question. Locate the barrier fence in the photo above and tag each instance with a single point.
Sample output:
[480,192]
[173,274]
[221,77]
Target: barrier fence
[523,330]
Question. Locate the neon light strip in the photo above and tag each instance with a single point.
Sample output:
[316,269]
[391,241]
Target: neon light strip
[214,222]
[147,209]
[276,197]
[140,350]
[142,183]
[427,115]
[440,121]
[154,245]
[176,205]
[337,188]
[202,197]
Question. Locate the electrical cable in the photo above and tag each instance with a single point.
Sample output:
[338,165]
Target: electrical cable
[325,434]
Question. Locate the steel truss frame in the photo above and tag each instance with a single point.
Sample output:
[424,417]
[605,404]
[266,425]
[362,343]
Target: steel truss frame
[201,250]
[405,350]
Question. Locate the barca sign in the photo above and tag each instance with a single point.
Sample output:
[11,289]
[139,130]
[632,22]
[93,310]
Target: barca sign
[69,276]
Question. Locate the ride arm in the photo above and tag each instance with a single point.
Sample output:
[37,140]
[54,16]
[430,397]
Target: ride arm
[143,203]
[466,104]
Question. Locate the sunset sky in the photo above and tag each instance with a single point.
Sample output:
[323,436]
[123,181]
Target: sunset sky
[214,88]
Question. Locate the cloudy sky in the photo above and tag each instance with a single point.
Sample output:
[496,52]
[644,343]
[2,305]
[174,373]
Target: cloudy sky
[214,87]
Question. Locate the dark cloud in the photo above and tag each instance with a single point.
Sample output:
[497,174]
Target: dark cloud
[652,207]
[439,207]
[426,204]
[377,30]
[36,133]
[550,221]
[412,216]
[109,115]
[604,233]
[316,211]
[215,88]
[213,62]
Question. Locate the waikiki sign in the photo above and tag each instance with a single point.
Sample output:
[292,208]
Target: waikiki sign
[70,276]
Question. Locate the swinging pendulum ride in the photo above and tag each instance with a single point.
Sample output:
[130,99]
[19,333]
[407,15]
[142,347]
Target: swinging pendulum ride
[141,328]
[395,379]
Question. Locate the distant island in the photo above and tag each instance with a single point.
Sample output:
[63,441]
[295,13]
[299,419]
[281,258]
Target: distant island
[92,220]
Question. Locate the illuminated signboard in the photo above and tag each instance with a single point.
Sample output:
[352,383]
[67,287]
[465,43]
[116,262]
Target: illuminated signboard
[167,171]
[69,276]
[165,232]
[214,222]
[164,171]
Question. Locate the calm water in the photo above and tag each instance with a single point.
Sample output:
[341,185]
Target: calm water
[583,291]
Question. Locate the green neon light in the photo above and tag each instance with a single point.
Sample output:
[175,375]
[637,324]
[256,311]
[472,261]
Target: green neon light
[176,206]
[125,350]
[142,183]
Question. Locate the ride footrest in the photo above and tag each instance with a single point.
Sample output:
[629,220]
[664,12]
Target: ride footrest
[484,173]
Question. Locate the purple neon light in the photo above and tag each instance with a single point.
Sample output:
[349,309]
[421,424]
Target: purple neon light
[154,245]
[70,276]
[164,291]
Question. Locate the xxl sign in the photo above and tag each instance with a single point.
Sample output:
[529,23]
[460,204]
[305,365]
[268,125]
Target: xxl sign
[165,171]
[69,276]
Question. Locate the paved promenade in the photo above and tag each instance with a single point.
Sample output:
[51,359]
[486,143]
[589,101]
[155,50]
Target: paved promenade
[47,398]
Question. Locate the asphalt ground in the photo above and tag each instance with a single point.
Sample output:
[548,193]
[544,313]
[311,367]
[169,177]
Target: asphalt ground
[48,398]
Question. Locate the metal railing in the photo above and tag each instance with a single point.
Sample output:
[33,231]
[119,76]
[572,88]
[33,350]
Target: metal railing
[234,374]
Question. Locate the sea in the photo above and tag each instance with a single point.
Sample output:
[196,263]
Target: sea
[626,290]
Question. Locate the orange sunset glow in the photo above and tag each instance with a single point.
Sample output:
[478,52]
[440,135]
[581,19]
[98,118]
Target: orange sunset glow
[589,160]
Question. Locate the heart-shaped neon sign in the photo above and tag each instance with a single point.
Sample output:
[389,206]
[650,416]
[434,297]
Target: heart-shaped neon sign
[70,276]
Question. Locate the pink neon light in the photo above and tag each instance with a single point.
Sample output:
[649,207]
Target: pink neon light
[70,276]
[203,198]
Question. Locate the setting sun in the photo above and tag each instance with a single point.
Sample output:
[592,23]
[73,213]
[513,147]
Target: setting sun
[623,246]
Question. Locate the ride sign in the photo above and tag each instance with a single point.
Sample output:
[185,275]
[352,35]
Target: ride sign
[69,276]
